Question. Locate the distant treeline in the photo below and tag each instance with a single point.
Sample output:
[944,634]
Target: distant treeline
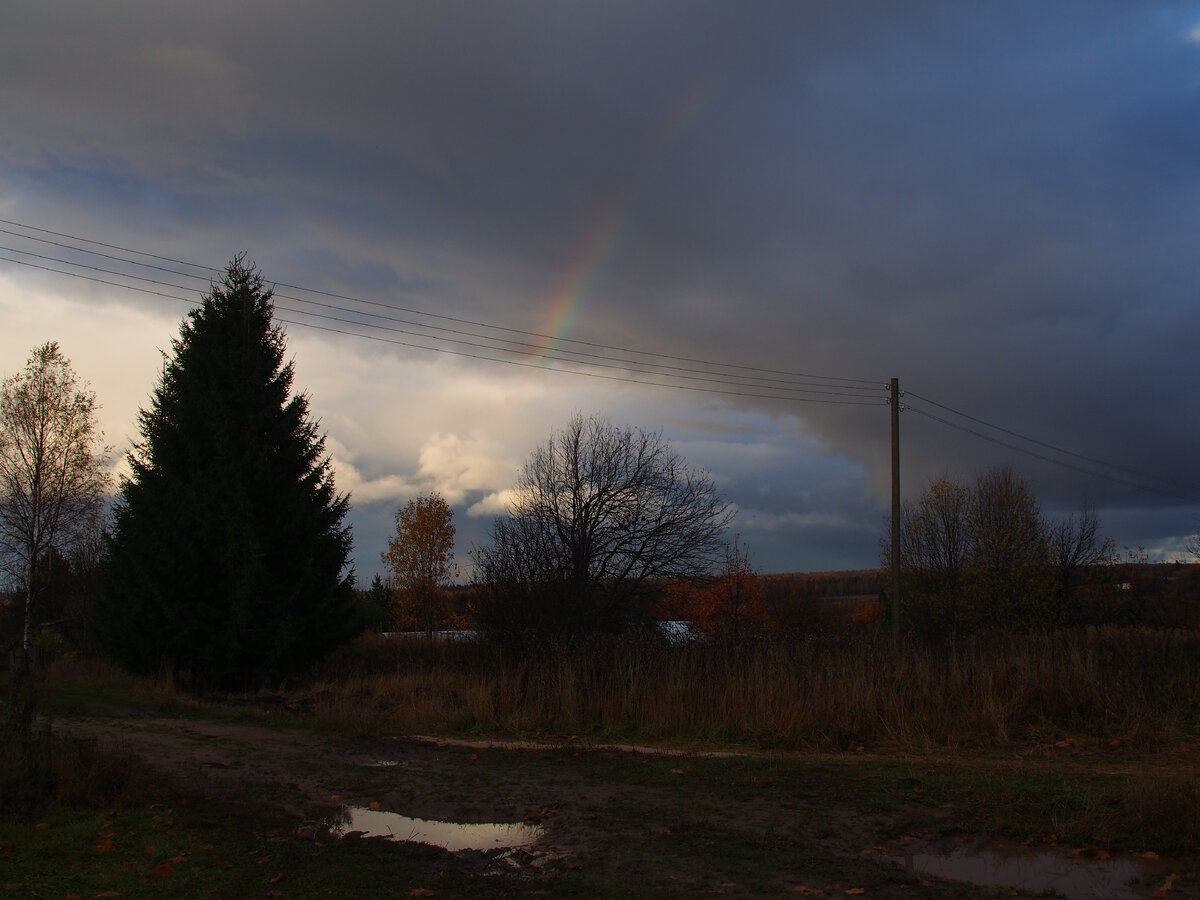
[1164,595]
[852,583]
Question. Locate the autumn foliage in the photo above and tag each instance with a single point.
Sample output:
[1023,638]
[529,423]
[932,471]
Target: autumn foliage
[732,604]
[421,559]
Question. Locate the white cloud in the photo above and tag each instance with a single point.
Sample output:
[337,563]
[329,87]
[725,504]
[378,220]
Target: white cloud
[113,347]
[364,488]
[494,504]
[456,466]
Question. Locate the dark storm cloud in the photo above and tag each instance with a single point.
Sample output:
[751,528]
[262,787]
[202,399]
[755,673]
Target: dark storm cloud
[997,204]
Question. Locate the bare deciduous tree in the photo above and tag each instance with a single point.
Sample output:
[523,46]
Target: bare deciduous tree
[52,474]
[984,556]
[935,544]
[1075,544]
[600,512]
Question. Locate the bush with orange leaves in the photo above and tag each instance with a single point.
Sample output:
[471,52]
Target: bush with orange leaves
[731,604]
[866,612]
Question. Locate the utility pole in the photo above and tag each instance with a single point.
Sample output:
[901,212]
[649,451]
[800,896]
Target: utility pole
[894,400]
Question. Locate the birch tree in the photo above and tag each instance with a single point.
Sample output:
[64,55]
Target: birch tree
[52,466]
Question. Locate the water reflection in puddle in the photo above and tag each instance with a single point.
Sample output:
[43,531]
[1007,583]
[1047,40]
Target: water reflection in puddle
[1037,872]
[447,835]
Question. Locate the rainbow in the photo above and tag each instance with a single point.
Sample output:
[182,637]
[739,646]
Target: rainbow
[610,226]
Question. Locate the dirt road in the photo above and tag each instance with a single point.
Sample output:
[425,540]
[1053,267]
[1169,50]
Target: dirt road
[613,820]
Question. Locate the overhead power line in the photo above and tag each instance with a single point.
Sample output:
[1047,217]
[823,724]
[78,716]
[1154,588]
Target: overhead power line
[1147,481]
[411,328]
[375,320]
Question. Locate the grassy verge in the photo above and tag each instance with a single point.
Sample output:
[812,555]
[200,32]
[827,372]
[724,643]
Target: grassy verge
[1136,686]
[1128,685]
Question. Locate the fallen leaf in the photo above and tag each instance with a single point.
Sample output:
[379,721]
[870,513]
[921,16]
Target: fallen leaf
[420,892]
[42,826]
[374,804]
[855,892]
[1103,855]
[107,895]
[104,846]
[1149,854]
[178,860]
[164,870]
[336,798]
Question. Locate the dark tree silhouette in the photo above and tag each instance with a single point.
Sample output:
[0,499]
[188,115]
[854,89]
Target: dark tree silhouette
[602,515]
[227,562]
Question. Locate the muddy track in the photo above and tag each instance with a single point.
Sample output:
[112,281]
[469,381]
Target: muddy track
[602,807]
[587,815]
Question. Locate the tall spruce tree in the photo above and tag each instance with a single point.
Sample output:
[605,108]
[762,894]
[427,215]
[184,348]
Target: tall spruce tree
[227,561]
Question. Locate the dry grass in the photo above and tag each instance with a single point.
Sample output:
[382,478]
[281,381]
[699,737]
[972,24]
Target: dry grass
[1139,686]
[39,767]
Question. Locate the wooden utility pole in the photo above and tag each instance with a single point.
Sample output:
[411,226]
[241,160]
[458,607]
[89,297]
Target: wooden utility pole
[894,400]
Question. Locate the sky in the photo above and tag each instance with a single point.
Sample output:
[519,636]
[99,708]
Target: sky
[731,223]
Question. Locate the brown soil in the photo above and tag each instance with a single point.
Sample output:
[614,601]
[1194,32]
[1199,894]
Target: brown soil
[600,806]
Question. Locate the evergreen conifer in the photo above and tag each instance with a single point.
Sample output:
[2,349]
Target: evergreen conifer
[227,561]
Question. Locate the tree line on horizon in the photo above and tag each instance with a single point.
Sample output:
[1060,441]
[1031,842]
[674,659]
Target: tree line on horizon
[225,560]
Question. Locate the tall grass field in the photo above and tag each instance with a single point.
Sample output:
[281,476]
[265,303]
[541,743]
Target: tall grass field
[1132,685]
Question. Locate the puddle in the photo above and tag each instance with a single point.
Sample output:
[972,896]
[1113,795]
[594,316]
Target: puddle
[447,835]
[1038,872]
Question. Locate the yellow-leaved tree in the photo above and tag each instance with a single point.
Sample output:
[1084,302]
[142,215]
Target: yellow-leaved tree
[421,559]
